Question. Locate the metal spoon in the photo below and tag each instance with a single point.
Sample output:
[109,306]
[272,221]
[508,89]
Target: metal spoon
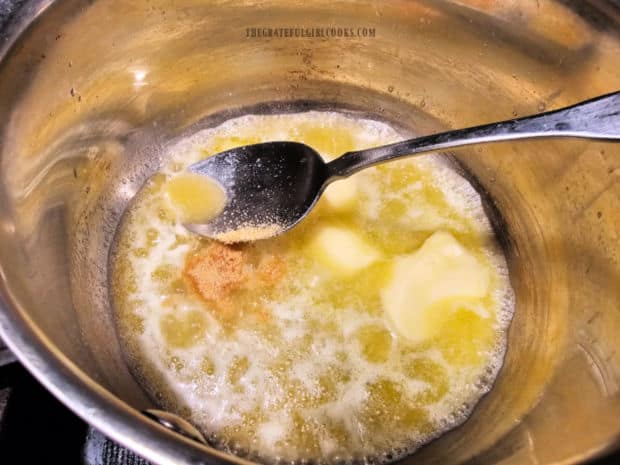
[270,187]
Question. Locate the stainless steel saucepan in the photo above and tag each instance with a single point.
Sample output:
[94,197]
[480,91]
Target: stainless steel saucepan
[91,90]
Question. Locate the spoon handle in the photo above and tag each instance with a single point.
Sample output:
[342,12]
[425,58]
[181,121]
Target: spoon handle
[598,118]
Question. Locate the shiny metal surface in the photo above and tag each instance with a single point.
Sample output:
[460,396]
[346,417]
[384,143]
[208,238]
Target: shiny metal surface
[175,423]
[91,91]
[278,183]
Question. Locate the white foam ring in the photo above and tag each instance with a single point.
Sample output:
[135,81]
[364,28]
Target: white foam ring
[214,403]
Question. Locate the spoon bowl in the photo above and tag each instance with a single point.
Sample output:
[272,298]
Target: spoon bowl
[269,187]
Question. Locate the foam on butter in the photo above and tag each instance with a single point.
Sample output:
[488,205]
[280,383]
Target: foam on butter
[339,370]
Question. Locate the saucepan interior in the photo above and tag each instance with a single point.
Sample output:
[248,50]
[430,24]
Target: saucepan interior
[92,91]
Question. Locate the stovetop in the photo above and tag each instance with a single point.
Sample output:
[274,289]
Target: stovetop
[36,429]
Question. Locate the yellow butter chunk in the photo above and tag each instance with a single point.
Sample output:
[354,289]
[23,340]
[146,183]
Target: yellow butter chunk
[342,250]
[197,198]
[331,144]
[441,272]
[342,194]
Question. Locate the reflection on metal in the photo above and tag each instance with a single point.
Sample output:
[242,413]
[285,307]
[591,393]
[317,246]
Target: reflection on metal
[6,356]
[139,76]
[175,423]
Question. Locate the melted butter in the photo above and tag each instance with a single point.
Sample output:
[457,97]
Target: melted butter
[360,334]
[197,198]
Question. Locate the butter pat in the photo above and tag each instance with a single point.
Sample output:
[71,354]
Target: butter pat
[442,271]
[342,250]
[341,194]
[196,198]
